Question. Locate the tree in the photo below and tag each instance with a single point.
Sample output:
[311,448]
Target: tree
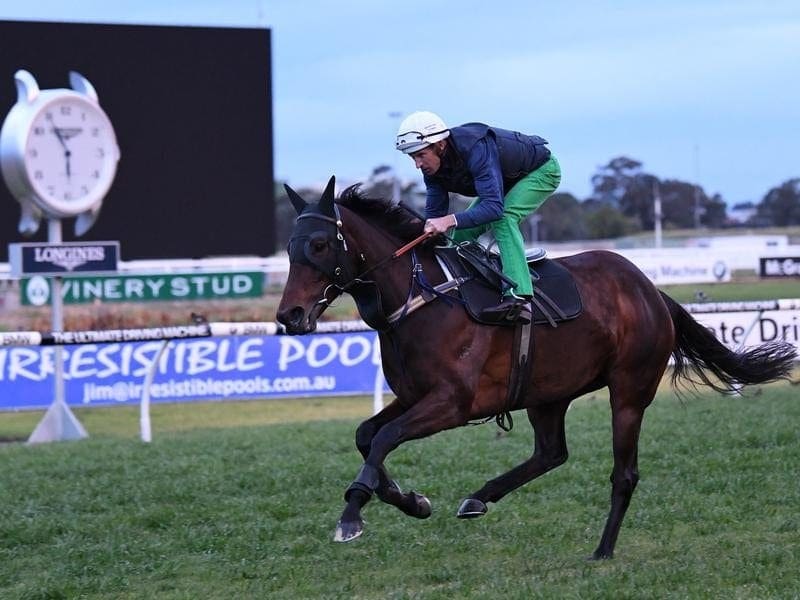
[623,184]
[638,201]
[560,218]
[604,221]
[781,205]
[715,212]
[680,200]
[612,181]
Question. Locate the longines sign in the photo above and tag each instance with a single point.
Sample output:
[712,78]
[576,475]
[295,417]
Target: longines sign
[63,259]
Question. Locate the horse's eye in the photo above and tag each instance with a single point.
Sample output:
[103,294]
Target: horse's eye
[318,245]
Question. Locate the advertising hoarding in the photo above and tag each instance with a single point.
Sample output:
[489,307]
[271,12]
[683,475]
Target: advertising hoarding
[215,368]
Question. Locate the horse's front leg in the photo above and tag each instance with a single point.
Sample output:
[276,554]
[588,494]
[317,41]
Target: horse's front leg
[388,489]
[423,419]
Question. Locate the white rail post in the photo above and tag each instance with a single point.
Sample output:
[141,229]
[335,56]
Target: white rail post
[377,391]
[144,406]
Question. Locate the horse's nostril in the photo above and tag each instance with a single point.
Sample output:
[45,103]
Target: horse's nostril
[292,317]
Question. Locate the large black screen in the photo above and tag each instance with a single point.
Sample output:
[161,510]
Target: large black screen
[192,110]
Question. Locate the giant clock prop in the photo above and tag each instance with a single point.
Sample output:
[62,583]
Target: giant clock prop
[58,152]
[59,155]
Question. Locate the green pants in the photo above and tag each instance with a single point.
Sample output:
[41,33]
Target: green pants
[524,198]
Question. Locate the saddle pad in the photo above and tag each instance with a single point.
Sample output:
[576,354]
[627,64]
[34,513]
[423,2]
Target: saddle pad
[552,282]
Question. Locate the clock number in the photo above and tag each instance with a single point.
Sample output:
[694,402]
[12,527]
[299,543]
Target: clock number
[96,174]
[51,189]
[38,131]
[84,189]
[67,195]
[38,175]
[33,153]
[101,153]
[95,131]
[66,110]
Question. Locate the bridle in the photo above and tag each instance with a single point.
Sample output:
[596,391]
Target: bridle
[341,269]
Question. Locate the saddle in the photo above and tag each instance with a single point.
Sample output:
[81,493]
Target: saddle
[555,295]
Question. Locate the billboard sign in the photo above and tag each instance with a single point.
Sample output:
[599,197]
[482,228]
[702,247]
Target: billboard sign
[63,259]
[214,368]
[192,111]
[779,266]
[745,329]
[673,270]
[37,291]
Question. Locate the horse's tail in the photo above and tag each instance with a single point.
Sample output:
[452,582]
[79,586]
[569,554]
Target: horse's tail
[697,352]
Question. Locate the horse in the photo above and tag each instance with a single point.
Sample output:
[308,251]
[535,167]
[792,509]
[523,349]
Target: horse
[458,371]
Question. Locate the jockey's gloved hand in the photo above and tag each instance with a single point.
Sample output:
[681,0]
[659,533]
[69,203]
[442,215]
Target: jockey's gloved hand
[440,224]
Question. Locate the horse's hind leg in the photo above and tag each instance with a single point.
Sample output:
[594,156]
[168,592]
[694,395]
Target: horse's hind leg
[388,490]
[628,402]
[550,451]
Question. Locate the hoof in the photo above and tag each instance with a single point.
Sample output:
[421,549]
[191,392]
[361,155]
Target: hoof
[423,506]
[471,508]
[347,532]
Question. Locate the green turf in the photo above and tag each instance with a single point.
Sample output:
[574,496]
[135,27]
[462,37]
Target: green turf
[229,503]
[123,421]
[766,289]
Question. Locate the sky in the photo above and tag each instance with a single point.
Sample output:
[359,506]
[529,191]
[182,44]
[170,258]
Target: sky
[698,90]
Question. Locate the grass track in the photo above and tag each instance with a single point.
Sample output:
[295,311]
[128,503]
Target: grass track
[748,288]
[233,504]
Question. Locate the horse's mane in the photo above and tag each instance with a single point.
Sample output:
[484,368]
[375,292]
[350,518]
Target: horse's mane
[389,216]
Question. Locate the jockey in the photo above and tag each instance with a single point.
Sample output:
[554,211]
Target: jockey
[509,174]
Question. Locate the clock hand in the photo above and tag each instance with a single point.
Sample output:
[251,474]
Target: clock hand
[67,152]
[60,137]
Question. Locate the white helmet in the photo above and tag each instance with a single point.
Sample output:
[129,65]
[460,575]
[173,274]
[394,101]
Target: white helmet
[420,129]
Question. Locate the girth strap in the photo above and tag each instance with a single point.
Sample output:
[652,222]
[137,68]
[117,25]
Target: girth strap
[518,375]
[521,355]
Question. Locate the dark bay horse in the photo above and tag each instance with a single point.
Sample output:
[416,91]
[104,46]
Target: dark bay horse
[447,370]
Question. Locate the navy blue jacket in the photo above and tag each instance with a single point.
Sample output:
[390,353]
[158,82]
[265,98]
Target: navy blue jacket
[486,162]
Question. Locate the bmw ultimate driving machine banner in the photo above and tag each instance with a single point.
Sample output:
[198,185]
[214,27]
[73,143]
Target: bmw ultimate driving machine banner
[240,367]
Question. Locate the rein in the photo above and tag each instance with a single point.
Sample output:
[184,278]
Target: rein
[342,266]
[394,255]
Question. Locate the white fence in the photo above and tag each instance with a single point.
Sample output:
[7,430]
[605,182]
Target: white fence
[736,324]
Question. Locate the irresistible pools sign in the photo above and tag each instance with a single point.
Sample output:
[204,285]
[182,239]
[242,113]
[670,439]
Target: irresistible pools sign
[240,367]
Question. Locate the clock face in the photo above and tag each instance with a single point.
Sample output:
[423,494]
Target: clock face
[70,154]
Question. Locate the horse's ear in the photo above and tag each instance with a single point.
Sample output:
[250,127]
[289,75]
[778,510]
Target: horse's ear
[298,203]
[326,201]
